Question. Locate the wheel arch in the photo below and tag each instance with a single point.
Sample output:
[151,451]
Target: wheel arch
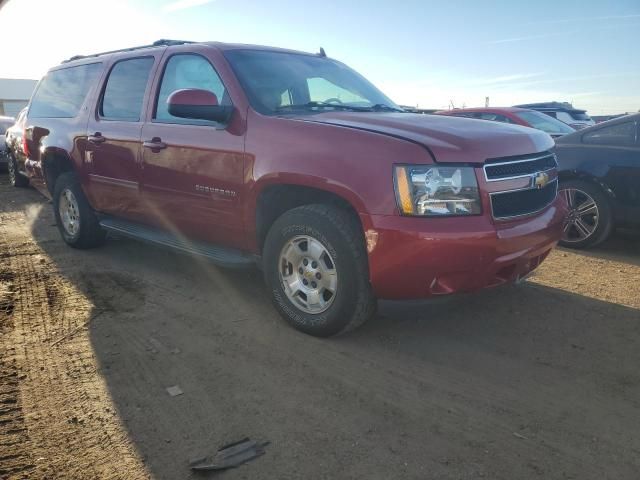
[273,198]
[55,162]
[568,175]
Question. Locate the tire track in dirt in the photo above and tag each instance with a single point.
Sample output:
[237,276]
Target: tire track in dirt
[15,461]
[53,402]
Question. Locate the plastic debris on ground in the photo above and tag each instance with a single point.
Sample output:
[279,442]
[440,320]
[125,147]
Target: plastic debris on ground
[230,456]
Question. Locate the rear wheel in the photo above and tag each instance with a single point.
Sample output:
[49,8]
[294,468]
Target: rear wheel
[76,221]
[316,267]
[15,177]
[589,221]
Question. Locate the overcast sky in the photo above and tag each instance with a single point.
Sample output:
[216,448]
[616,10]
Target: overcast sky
[419,52]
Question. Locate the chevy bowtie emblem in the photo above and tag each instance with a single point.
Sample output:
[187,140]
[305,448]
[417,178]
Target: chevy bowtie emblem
[541,180]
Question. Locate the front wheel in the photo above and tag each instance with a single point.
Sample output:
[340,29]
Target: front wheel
[316,268]
[589,221]
[75,218]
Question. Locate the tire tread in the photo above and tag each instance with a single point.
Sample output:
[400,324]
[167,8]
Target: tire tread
[351,232]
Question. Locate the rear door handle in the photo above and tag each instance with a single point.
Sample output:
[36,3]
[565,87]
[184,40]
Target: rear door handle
[154,144]
[97,138]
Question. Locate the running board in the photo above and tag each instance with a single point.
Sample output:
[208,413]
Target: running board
[224,257]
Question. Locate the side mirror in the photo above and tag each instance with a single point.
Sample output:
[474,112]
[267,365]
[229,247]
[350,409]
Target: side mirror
[198,104]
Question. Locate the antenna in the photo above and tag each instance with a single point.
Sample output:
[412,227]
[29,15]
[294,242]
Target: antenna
[322,52]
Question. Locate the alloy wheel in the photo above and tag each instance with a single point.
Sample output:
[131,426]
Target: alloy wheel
[583,218]
[69,212]
[308,274]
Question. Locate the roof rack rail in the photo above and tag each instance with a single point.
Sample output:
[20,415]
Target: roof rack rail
[163,42]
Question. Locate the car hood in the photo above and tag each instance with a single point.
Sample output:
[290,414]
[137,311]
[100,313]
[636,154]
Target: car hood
[450,139]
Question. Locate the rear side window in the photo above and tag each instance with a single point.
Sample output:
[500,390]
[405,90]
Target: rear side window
[61,93]
[188,71]
[620,134]
[564,117]
[124,93]
[579,116]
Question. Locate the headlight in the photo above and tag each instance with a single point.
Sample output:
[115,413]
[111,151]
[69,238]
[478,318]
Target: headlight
[437,191]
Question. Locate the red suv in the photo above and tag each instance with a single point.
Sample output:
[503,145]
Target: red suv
[246,154]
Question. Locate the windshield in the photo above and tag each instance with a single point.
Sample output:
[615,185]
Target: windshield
[281,82]
[544,122]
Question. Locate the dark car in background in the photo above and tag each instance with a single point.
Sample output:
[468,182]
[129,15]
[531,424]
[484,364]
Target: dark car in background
[15,151]
[600,180]
[563,111]
[517,116]
[5,123]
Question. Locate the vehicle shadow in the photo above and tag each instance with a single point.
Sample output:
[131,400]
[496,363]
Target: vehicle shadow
[456,376]
[622,246]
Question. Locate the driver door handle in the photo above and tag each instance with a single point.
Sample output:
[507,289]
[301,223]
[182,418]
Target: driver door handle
[154,144]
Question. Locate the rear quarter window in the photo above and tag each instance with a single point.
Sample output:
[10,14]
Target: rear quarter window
[61,93]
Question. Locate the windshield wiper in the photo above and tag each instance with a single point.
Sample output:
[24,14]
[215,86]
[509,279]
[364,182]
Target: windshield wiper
[309,105]
[379,107]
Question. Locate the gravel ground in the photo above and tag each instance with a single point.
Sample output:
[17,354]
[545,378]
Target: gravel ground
[538,381]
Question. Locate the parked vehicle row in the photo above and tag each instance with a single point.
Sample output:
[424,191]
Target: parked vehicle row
[517,116]
[563,111]
[246,154]
[5,124]
[599,170]
[14,140]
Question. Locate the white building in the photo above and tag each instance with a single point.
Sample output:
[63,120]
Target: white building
[15,94]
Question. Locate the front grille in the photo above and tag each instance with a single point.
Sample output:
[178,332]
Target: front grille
[523,202]
[519,167]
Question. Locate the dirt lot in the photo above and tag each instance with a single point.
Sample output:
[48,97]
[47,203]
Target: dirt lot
[539,381]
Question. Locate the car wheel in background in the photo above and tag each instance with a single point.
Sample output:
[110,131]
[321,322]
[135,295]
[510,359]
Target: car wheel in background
[16,178]
[589,220]
[76,220]
[316,267]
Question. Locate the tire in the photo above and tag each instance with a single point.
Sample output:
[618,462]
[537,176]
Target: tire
[86,231]
[580,193]
[16,178]
[352,302]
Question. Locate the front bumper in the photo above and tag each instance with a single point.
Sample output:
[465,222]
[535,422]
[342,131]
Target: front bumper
[411,258]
